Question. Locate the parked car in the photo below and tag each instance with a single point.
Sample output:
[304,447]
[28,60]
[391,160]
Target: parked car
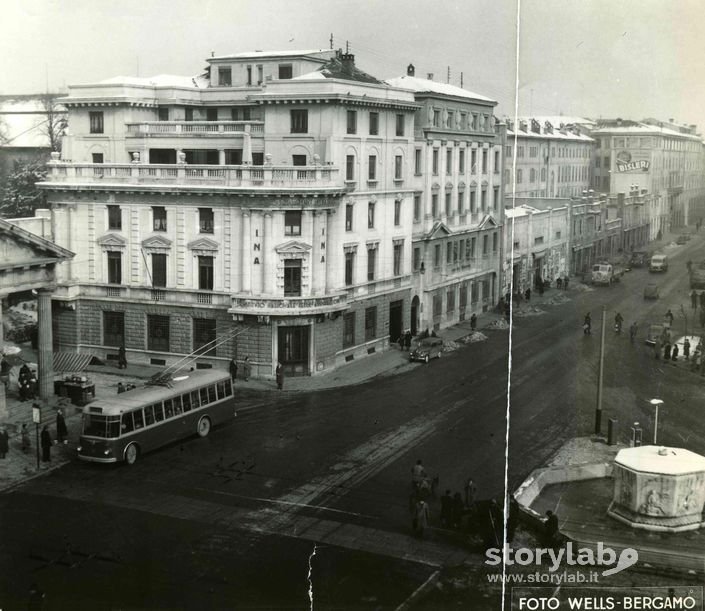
[682,239]
[658,263]
[659,330]
[651,291]
[427,349]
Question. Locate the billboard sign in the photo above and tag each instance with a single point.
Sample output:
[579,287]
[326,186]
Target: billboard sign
[627,162]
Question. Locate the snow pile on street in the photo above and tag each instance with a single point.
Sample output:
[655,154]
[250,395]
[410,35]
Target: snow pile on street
[528,311]
[558,299]
[500,323]
[449,345]
[473,337]
[583,288]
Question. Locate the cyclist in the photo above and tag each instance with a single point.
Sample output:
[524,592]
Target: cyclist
[618,320]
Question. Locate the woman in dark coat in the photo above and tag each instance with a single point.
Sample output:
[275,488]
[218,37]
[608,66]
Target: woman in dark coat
[122,358]
[4,442]
[46,444]
[233,369]
[61,431]
[280,376]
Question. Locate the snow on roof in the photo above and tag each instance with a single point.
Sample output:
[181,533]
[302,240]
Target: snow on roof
[643,128]
[557,120]
[518,211]
[422,85]
[264,54]
[160,80]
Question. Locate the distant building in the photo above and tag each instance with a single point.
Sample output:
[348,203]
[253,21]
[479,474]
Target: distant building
[457,202]
[263,209]
[552,159]
[665,159]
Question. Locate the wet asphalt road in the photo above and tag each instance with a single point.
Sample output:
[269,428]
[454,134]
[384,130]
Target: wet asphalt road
[344,456]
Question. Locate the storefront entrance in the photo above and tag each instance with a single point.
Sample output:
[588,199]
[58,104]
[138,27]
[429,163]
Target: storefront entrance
[293,350]
[396,311]
[414,315]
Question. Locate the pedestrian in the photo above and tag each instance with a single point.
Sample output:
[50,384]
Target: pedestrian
[121,388]
[686,349]
[5,369]
[458,510]
[670,317]
[559,282]
[420,518]
[62,432]
[33,385]
[551,528]
[25,372]
[527,294]
[702,299]
[587,324]
[667,352]
[418,473]
[26,444]
[565,282]
[23,389]
[473,322]
[632,332]
[233,369]
[694,299]
[407,343]
[280,376]
[46,444]
[470,492]
[122,357]
[539,284]
[657,348]
[446,510]
[246,369]
[674,352]
[4,442]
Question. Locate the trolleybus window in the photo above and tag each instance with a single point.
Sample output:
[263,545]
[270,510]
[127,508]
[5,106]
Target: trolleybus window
[212,397]
[149,415]
[177,404]
[204,396]
[223,389]
[139,418]
[158,412]
[101,426]
[195,402]
[127,424]
[186,400]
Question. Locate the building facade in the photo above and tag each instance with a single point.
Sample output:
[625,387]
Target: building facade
[457,215]
[551,160]
[536,243]
[663,158]
[263,209]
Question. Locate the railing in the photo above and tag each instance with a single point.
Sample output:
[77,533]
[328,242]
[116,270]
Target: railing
[141,293]
[175,128]
[378,286]
[184,174]
[263,306]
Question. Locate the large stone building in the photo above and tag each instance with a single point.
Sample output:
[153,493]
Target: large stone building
[458,207]
[665,159]
[552,159]
[263,209]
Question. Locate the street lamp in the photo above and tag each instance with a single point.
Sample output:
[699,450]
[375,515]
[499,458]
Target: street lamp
[656,403]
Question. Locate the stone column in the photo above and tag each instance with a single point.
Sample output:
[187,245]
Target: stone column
[246,253]
[45,354]
[269,256]
[70,241]
[330,259]
[3,403]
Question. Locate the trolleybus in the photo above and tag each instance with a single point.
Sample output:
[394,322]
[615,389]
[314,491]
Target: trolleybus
[143,419]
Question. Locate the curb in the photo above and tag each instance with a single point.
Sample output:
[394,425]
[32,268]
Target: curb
[40,473]
[420,591]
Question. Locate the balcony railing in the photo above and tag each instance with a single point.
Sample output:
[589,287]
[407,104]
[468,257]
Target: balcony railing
[141,293]
[196,175]
[173,128]
[288,306]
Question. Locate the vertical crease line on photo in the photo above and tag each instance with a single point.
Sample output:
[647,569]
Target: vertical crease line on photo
[511,308]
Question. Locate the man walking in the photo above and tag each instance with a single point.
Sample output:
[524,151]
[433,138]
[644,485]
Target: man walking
[280,376]
[46,444]
[61,429]
[587,324]
[632,332]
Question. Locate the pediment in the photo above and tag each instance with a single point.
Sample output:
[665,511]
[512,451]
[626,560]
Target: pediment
[203,244]
[449,186]
[439,230]
[485,183]
[156,241]
[473,183]
[488,222]
[292,247]
[21,247]
[461,185]
[112,240]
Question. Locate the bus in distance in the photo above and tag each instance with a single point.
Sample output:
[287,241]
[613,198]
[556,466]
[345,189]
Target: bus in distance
[142,419]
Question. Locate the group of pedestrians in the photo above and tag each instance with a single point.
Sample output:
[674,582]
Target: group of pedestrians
[45,439]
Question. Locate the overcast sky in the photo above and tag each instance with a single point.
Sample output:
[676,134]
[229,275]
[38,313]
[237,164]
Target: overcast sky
[627,58]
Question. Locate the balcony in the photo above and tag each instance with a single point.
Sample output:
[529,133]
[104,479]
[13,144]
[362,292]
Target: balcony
[183,175]
[142,294]
[288,306]
[377,287]
[194,128]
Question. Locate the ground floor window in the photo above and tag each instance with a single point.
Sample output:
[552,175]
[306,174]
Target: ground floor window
[437,305]
[204,336]
[158,333]
[113,329]
[349,329]
[450,301]
[370,323]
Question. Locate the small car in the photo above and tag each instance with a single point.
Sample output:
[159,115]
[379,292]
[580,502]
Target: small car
[427,349]
[682,239]
[651,291]
[656,331]
[639,258]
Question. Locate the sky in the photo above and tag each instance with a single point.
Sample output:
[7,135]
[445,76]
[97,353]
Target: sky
[595,58]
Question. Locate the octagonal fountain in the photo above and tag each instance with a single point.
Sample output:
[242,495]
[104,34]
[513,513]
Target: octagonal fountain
[659,489]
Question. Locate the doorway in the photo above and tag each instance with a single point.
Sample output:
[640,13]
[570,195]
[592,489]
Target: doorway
[414,322]
[396,321]
[293,350]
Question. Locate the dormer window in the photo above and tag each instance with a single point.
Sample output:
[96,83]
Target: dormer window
[285,71]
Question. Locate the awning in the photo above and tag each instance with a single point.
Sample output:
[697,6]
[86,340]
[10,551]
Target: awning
[70,361]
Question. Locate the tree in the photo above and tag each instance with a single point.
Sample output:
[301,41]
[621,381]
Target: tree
[21,196]
[55,123]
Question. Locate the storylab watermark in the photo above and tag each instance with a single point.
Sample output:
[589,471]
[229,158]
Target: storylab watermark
[603,557]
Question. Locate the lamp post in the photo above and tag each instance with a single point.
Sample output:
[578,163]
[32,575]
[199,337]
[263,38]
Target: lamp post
[656,403]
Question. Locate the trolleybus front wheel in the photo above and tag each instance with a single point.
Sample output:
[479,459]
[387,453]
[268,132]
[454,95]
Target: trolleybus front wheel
[131,454]
[204,426]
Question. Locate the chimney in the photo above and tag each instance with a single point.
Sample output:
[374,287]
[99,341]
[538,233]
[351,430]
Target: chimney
[429,76]
[620,200]
[410,70]
[670,121]
[348,61]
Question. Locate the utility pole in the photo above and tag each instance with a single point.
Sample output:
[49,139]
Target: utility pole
[331,40]
[448,76]
[598,409]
